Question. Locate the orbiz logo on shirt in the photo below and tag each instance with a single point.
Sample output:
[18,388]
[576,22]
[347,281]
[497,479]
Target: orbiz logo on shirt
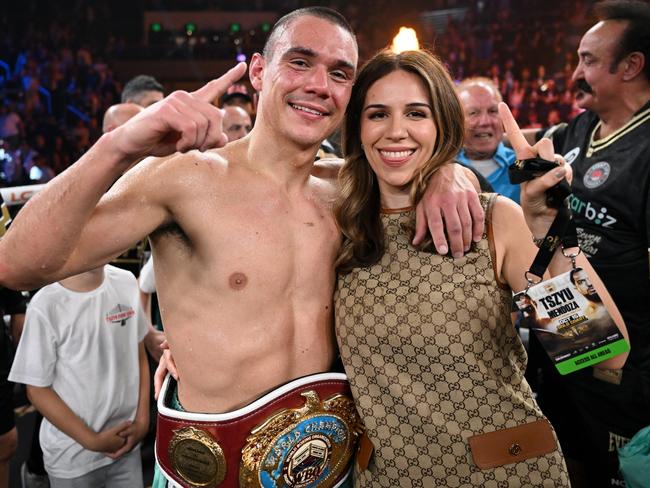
[120,314]
[586,209]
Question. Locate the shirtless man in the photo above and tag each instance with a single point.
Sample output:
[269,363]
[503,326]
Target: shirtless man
[243,238]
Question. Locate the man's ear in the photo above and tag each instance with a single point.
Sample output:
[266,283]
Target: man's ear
[256,71]
[633,65]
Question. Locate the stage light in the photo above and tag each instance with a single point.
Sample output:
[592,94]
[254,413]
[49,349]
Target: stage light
[266,27]
[405,40]
[241,57]
[156,27]
[190,28]
[235,27]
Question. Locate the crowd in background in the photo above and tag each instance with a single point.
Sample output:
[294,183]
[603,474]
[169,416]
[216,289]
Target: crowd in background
[56,79]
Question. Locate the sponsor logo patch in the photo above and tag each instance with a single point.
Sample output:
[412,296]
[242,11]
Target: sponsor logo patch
[597,175]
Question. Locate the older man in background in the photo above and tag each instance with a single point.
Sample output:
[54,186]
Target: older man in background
[483,150]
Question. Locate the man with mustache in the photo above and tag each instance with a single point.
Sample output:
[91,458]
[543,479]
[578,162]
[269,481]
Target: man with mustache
[608,146]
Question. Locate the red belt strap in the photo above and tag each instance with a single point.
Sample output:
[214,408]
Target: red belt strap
[302,434]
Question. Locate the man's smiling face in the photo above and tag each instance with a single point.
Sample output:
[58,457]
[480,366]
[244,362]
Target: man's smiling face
[483,127]
[305,85]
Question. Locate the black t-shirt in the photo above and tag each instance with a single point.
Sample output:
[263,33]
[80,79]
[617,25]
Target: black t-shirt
[611,207]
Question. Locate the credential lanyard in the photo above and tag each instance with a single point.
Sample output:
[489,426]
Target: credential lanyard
[562,232]
[563,229]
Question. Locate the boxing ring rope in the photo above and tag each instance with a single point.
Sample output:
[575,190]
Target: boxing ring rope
[17,195]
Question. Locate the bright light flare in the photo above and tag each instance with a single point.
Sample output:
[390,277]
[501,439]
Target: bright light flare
[405,40]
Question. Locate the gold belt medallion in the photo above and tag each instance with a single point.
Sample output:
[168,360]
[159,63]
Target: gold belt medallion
[197,458]
[304,447]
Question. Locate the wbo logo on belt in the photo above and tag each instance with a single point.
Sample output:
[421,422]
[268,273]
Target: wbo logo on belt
[303,447]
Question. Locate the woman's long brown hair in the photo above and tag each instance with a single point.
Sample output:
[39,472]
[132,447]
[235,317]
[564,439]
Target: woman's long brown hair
[358,209]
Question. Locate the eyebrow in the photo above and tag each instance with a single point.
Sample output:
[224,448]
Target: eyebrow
[310,53]
[409,105]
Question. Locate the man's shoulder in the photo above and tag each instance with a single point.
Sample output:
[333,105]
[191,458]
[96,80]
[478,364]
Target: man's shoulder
[173,177]
[194,160]
[327,168]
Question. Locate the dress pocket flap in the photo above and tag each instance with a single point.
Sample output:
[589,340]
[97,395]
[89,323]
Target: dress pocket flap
[513,444]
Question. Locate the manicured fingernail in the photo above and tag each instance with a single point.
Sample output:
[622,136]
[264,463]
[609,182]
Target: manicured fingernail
[458,255]
[559,173]
[443,250]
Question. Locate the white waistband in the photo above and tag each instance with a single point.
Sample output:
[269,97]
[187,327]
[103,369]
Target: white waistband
[260,402]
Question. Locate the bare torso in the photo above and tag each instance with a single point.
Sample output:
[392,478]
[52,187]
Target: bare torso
[245,277]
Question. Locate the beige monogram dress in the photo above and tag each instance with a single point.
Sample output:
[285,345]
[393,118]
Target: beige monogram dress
[433,359]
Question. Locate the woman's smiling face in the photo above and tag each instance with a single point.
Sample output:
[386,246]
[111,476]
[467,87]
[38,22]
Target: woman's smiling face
[398,133]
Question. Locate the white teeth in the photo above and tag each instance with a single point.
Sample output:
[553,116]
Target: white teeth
[483,135]
[396,154]
[305,109]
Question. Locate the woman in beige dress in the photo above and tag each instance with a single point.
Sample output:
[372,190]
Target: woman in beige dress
[426,340]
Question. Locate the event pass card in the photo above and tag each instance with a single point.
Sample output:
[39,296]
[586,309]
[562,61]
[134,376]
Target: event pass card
[570,321]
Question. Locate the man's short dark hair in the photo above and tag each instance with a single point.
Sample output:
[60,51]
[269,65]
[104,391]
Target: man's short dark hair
[636,37]
[138,85]
[230,98]
[321,12]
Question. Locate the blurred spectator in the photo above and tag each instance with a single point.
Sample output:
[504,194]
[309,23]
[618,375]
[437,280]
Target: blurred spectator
[116,115]
[41,171]
[60,57]
[11,125]
[143,90]
[237,96]
[12,303]
[483,149]
[236,123]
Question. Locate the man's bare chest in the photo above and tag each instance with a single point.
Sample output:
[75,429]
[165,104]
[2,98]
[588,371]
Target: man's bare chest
[253,242]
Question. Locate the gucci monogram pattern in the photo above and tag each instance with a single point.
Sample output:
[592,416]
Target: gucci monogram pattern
[433,359]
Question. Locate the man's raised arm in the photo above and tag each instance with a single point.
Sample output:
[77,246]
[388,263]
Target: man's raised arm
[65,229]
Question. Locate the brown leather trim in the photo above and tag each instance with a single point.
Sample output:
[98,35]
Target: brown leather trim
[364,452]
[512,445]
[397,210]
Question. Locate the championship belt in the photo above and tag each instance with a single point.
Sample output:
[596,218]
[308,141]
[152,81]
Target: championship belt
[303,434]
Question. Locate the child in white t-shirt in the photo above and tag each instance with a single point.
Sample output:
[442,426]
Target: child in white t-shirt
[82,358]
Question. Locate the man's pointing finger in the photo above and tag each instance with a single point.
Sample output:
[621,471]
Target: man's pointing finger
[214,89]
[516,138]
